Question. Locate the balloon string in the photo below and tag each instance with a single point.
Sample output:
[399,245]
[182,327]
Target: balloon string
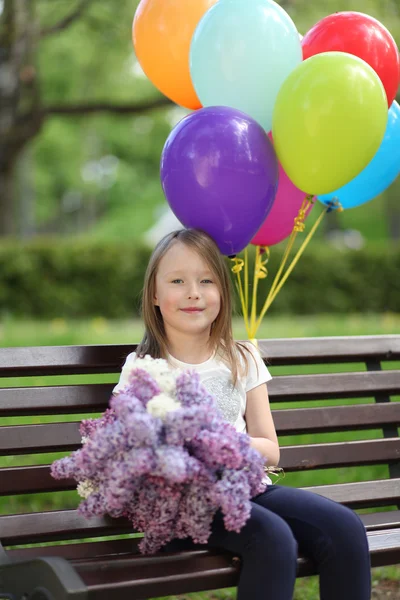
[260,272]
[246,279]
[237,269]
[298,227]
[300,251]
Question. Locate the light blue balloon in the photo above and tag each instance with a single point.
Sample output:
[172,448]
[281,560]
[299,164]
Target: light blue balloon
[241,53]
[379,174]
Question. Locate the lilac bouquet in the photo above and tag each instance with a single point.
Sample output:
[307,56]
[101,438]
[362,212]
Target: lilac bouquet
[163,456]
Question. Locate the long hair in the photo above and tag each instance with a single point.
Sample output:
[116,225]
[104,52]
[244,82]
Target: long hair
[155,341]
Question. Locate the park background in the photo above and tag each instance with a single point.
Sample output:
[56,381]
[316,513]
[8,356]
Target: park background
[81,133]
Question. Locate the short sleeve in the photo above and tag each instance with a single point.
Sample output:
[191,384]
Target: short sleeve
[257,371]
[124,377]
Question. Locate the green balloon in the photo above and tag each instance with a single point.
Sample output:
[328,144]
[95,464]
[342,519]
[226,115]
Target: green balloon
[329,120]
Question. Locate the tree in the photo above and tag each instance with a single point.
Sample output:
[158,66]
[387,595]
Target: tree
[59,63]
[23,109]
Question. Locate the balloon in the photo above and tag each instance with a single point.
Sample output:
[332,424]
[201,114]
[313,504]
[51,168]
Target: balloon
[280,221]
[241,53]
[162,31]
[219,173]
[363,36]
[329,120]
[379,174]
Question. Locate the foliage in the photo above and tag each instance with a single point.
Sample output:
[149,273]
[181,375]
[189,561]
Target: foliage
[48,279]
[74,186]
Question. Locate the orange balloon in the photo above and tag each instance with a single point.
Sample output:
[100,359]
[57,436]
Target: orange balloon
[162,33]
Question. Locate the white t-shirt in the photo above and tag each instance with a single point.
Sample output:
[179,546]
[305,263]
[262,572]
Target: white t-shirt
[216,377]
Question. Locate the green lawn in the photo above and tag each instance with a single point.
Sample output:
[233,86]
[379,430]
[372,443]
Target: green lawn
[101,331]
[16,332]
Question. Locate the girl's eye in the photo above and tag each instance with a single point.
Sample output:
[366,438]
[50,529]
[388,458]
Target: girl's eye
[206,281]
[177,280]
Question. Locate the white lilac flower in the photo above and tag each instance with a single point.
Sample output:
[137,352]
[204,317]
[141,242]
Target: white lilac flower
[85,488]
[161,405]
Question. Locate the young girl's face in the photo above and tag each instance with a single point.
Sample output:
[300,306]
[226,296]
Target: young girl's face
[186,291]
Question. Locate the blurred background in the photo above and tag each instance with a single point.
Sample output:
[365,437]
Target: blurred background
[81,133]
[81,205]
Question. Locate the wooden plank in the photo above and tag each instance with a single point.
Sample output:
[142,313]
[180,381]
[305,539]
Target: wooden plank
[37,478]
[334,385]
[341,454]
[55,400]
[61,360]
[57,525]
[57,360]
[49,437]
[335,349]
[94,397]
[336,418]
[30,480]
[362,494]
[52,437]
[82,550]
[381,520]
[384,547]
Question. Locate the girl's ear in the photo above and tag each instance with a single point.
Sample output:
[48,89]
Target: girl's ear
[155,301]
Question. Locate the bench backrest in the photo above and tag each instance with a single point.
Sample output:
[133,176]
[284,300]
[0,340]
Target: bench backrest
[340,395]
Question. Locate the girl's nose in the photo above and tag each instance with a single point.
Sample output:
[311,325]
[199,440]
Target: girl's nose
[193,292]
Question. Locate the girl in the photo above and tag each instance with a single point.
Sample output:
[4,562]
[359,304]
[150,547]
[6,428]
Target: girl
[187,315]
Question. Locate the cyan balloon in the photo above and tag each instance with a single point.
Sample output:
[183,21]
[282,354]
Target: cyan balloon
[241,53]
[379,174]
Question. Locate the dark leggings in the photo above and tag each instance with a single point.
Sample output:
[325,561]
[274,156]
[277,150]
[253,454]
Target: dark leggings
[284,520]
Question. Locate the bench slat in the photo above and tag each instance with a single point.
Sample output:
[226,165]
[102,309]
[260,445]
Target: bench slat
[334,349]
[32,479]
[49,360]
[68,524]
[377,521]
[346,454]
[362,494]
[336,418]
[288,422]
[55,400]
[61,360]
[284,388]
[174,573]
[334,385]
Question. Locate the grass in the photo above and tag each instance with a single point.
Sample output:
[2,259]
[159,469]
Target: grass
[101,331]
[16,332]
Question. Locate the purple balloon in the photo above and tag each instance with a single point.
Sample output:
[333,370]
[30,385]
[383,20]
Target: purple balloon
[219,173]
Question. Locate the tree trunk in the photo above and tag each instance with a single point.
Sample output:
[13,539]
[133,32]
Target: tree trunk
[7,223]
[20,116]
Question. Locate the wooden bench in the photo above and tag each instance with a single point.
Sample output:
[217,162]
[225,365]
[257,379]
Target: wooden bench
[112,568]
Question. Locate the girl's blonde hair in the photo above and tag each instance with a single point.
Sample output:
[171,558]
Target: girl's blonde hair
[154,341]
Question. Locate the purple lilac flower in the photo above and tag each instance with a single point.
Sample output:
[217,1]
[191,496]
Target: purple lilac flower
[196,513]
[141,429]
[189,390]
[231,493]
[124,405]
[217,449]
[67,468]
[182,425]
[89,426]
[173,464]
[142,386]
[168,477]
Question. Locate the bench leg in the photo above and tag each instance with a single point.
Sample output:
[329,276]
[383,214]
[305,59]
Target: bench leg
[50,578]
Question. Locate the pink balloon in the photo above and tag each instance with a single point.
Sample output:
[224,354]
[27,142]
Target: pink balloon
[280,220]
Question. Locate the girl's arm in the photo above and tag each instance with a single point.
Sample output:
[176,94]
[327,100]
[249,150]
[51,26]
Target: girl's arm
[260,425]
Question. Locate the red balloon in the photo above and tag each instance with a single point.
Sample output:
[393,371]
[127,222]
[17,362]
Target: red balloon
[363,36]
